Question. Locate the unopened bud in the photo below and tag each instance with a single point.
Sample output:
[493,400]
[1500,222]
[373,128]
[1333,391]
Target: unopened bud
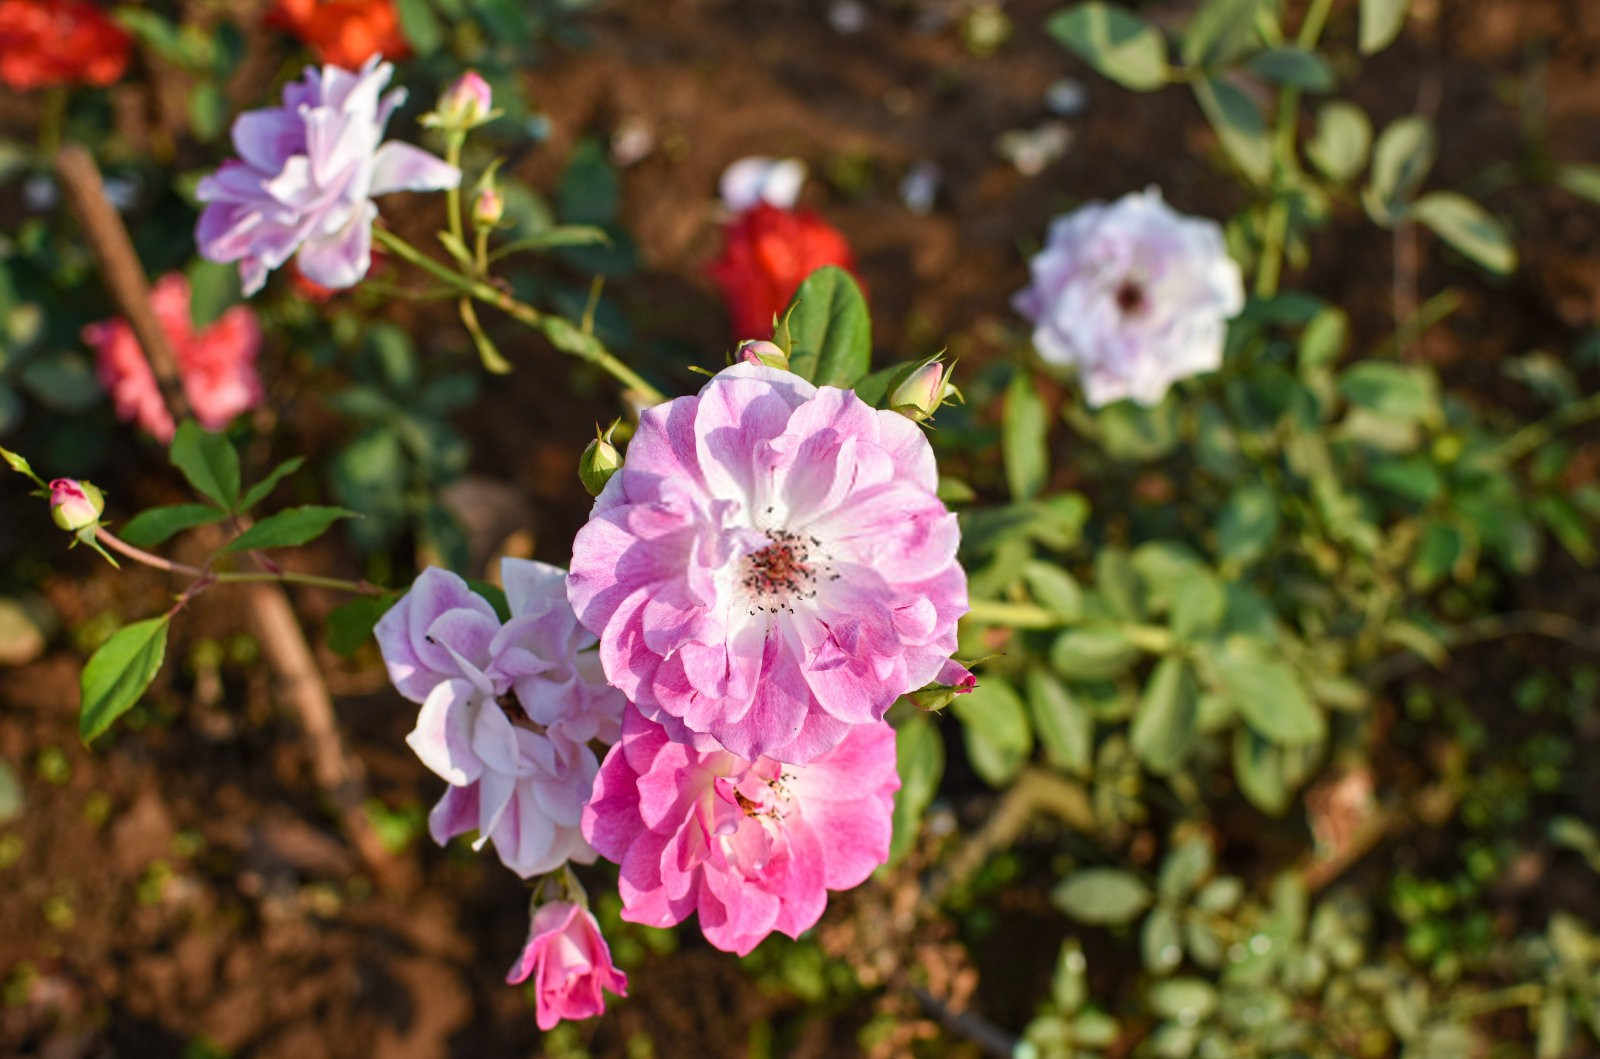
[488,208]
[953,679]
[598,463]
[762,352]
[924,391]
[75,505]
[464,105]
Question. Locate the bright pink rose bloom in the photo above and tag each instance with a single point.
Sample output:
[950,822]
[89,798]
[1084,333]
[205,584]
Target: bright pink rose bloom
[217,365]
[507,710]
[570,964]
[771,566]
[752,847]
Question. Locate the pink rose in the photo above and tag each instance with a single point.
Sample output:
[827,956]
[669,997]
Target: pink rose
[569,962]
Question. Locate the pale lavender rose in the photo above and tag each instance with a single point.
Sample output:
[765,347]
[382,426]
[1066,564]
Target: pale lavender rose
[570,963]
[306,176]
[750,847]
[507,710]
[1134,294]
[771,566]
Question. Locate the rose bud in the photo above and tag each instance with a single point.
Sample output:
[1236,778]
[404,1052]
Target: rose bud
[756,351]
[464,105]
[598,463]
[924,391]
[75,505]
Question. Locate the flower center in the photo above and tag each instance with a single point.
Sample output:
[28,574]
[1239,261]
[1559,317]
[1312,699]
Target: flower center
[786,569]
[1130,297]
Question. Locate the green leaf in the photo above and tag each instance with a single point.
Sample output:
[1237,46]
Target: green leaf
[826,329]
[1413,477]
[213,287]
[1107,896]
[1380,23]
[288,528]
[495,595]
[1131,431]
[998,737]
[1258,769]
[1054,589]
[1114,41]
[62,381]
[1581,180]
[1400,162]
[1184,867]
[1065,726]
[1118,584]
[1438,550]
[1239,126]
[919,752]
[1295,67]
[1023,431]
[1466,226]
[1323,340]
[1184,1000]
[589,192]
[1092,653]
[208,110]
[350,624]
[149,528]
[1247,524]
[1394,391]
[119,672]
[208,461]
[1339,146]
[262,489]
[1219,32]
[420,26]
[1163,731]
[1267,693]
[1160,941]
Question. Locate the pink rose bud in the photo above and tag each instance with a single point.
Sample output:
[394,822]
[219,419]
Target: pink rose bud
[923,392]
[954,679]
[464,105]
[75,505]
[762,352]
[570,964]
[488,208]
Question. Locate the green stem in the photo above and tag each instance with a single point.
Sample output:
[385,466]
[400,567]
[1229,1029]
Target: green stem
[1534,435]
[1311,28]
[561,333]
[1474,1005]
[452,154]
[1012,615]
[150,559]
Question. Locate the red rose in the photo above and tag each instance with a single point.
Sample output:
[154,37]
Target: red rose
[59,42]
[766,253]
[343,32]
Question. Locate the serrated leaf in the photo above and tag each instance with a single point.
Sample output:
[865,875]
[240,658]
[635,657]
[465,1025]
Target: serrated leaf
[208,461]
[1064,725]
[289,528]
[119,672]
[996,730]
[1380,23]
[829,334]
[1239,126]
[1468,227]
[1163,730]
[262,489]
[1023,431]
[1293,66]
[149,528]
[1107,896]
[1114,41]
[919,753]
[1339,146]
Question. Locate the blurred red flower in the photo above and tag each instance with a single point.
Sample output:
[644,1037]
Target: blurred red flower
[59,42]
[343,32]
[217,365]
[766,253]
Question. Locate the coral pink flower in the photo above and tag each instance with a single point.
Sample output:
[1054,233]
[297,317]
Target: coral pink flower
[766,253]
[771,565]
[570,964]
[752,847]
[59,42]
[216,365]
[343,32]
[507,710]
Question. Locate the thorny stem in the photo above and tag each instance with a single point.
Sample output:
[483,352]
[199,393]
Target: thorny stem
[209,577]
[561,333]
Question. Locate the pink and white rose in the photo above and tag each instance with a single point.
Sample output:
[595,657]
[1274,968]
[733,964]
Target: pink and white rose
[569,962]
[771,567]
[749,846]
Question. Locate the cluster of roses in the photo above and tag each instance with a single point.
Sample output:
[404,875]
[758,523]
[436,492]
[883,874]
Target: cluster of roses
[768,571]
